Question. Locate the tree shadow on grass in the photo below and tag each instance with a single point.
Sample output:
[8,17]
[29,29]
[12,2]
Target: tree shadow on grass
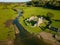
[56,20]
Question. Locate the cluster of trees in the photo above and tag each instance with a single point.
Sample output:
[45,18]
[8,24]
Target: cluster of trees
[54,4]
[5,5]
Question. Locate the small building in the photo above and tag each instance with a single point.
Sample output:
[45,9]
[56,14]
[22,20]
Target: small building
[40,20]
[32,18]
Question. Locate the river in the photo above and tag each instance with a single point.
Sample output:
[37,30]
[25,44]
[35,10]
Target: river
[24,37]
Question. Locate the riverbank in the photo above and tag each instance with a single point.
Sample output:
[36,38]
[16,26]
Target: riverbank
[24,37]
[48,38]
[27,31]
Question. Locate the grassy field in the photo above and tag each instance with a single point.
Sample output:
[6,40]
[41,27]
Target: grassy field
[6,14]
[30,11]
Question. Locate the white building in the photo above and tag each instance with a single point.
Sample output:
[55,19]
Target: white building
[40,20]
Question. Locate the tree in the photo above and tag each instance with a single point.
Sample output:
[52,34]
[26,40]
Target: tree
[49,15]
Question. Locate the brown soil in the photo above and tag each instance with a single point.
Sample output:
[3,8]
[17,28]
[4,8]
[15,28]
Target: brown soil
[48,38]
[8,23]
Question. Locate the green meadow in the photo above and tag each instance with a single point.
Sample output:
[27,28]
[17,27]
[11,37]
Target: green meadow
[31,11]
[7,14]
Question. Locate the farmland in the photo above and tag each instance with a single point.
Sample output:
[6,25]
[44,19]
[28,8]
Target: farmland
[7,15]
